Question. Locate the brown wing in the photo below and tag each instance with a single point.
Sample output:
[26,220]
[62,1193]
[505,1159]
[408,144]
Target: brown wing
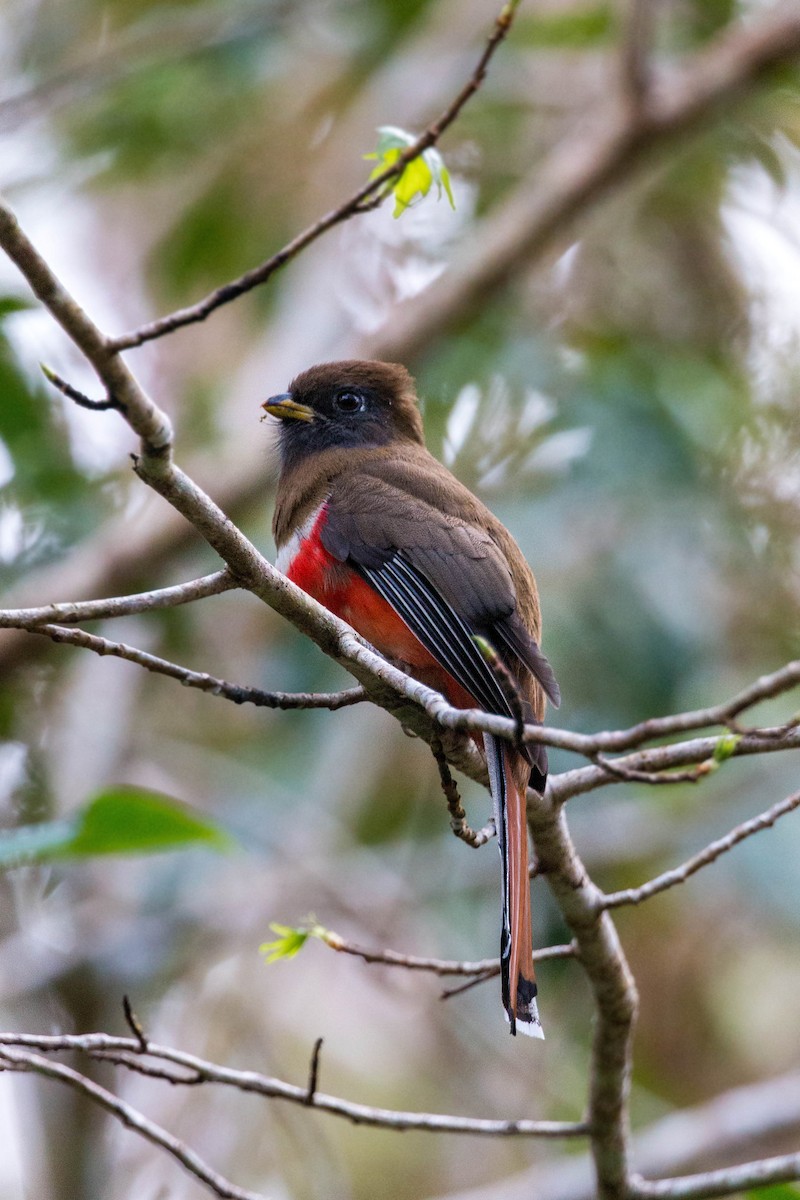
[447,579]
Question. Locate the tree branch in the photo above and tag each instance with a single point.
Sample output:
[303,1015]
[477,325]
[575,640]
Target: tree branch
[581,171]
[742,1121]
[22,1060]
[664,758]
[720,1183]
[577,174]
[264,1085]
[437,966]
[119,606]
[369,196]
[458,817]
[198,679]
[702,859]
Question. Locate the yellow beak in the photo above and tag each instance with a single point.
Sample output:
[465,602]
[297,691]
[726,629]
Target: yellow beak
[287,409]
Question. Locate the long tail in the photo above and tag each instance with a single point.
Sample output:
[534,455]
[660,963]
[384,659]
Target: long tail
[516,954]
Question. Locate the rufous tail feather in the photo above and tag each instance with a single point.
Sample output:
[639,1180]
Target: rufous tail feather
[516,954]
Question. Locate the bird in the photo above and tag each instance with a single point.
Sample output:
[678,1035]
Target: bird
[374,527]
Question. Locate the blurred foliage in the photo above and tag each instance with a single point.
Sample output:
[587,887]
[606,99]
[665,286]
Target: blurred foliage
[576,27]
[45,502]
[627,405]
[118,821]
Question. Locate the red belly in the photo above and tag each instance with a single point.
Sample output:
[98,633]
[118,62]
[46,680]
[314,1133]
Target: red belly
[350,597]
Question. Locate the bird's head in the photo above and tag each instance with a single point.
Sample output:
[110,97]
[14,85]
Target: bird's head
[351,403]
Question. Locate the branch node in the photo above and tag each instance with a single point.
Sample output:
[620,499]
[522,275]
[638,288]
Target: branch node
[79,398]
[134,1024]
[313,1072]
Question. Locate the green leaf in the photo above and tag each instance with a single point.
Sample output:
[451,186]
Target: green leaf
[129,820]
[417,177]
[726,746]
[290,940]
[14,304]
[415,180]
[121,820]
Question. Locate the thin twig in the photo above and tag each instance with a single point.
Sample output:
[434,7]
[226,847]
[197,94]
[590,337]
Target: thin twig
[119,606]
[235,692]
[79,398]
[313,1072]
[264,1085]
[613,147]
[658,759]
[367,197]
[631,775]
[134,1024]
[702,859]
[134,1062]
[458,816]
[725,1182]
[437,966]
[23,1060]
[459,989]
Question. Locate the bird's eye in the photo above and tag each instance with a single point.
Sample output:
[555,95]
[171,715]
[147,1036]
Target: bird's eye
[348,402]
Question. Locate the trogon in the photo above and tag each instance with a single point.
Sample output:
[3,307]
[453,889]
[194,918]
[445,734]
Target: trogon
[371,525]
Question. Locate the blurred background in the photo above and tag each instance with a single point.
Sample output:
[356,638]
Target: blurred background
[625,402]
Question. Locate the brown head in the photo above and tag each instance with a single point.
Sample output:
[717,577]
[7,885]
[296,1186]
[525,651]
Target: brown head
[349,403]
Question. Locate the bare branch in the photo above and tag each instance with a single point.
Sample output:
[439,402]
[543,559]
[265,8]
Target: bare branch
[539,212]
[664,758]
[613,991]
[711,853]
[366,198]
[458,817]
[22,1060]
[199,679]
[313,1072]
[264,1085]
[724,1182]
[119,606]
[743,1121]
[437,966]
[631,775]
[144,417]
[134,1024]
[77,397]
[135,1062]
[766,687]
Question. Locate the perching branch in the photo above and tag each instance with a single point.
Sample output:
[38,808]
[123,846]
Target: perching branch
[665,758]
[539,212]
